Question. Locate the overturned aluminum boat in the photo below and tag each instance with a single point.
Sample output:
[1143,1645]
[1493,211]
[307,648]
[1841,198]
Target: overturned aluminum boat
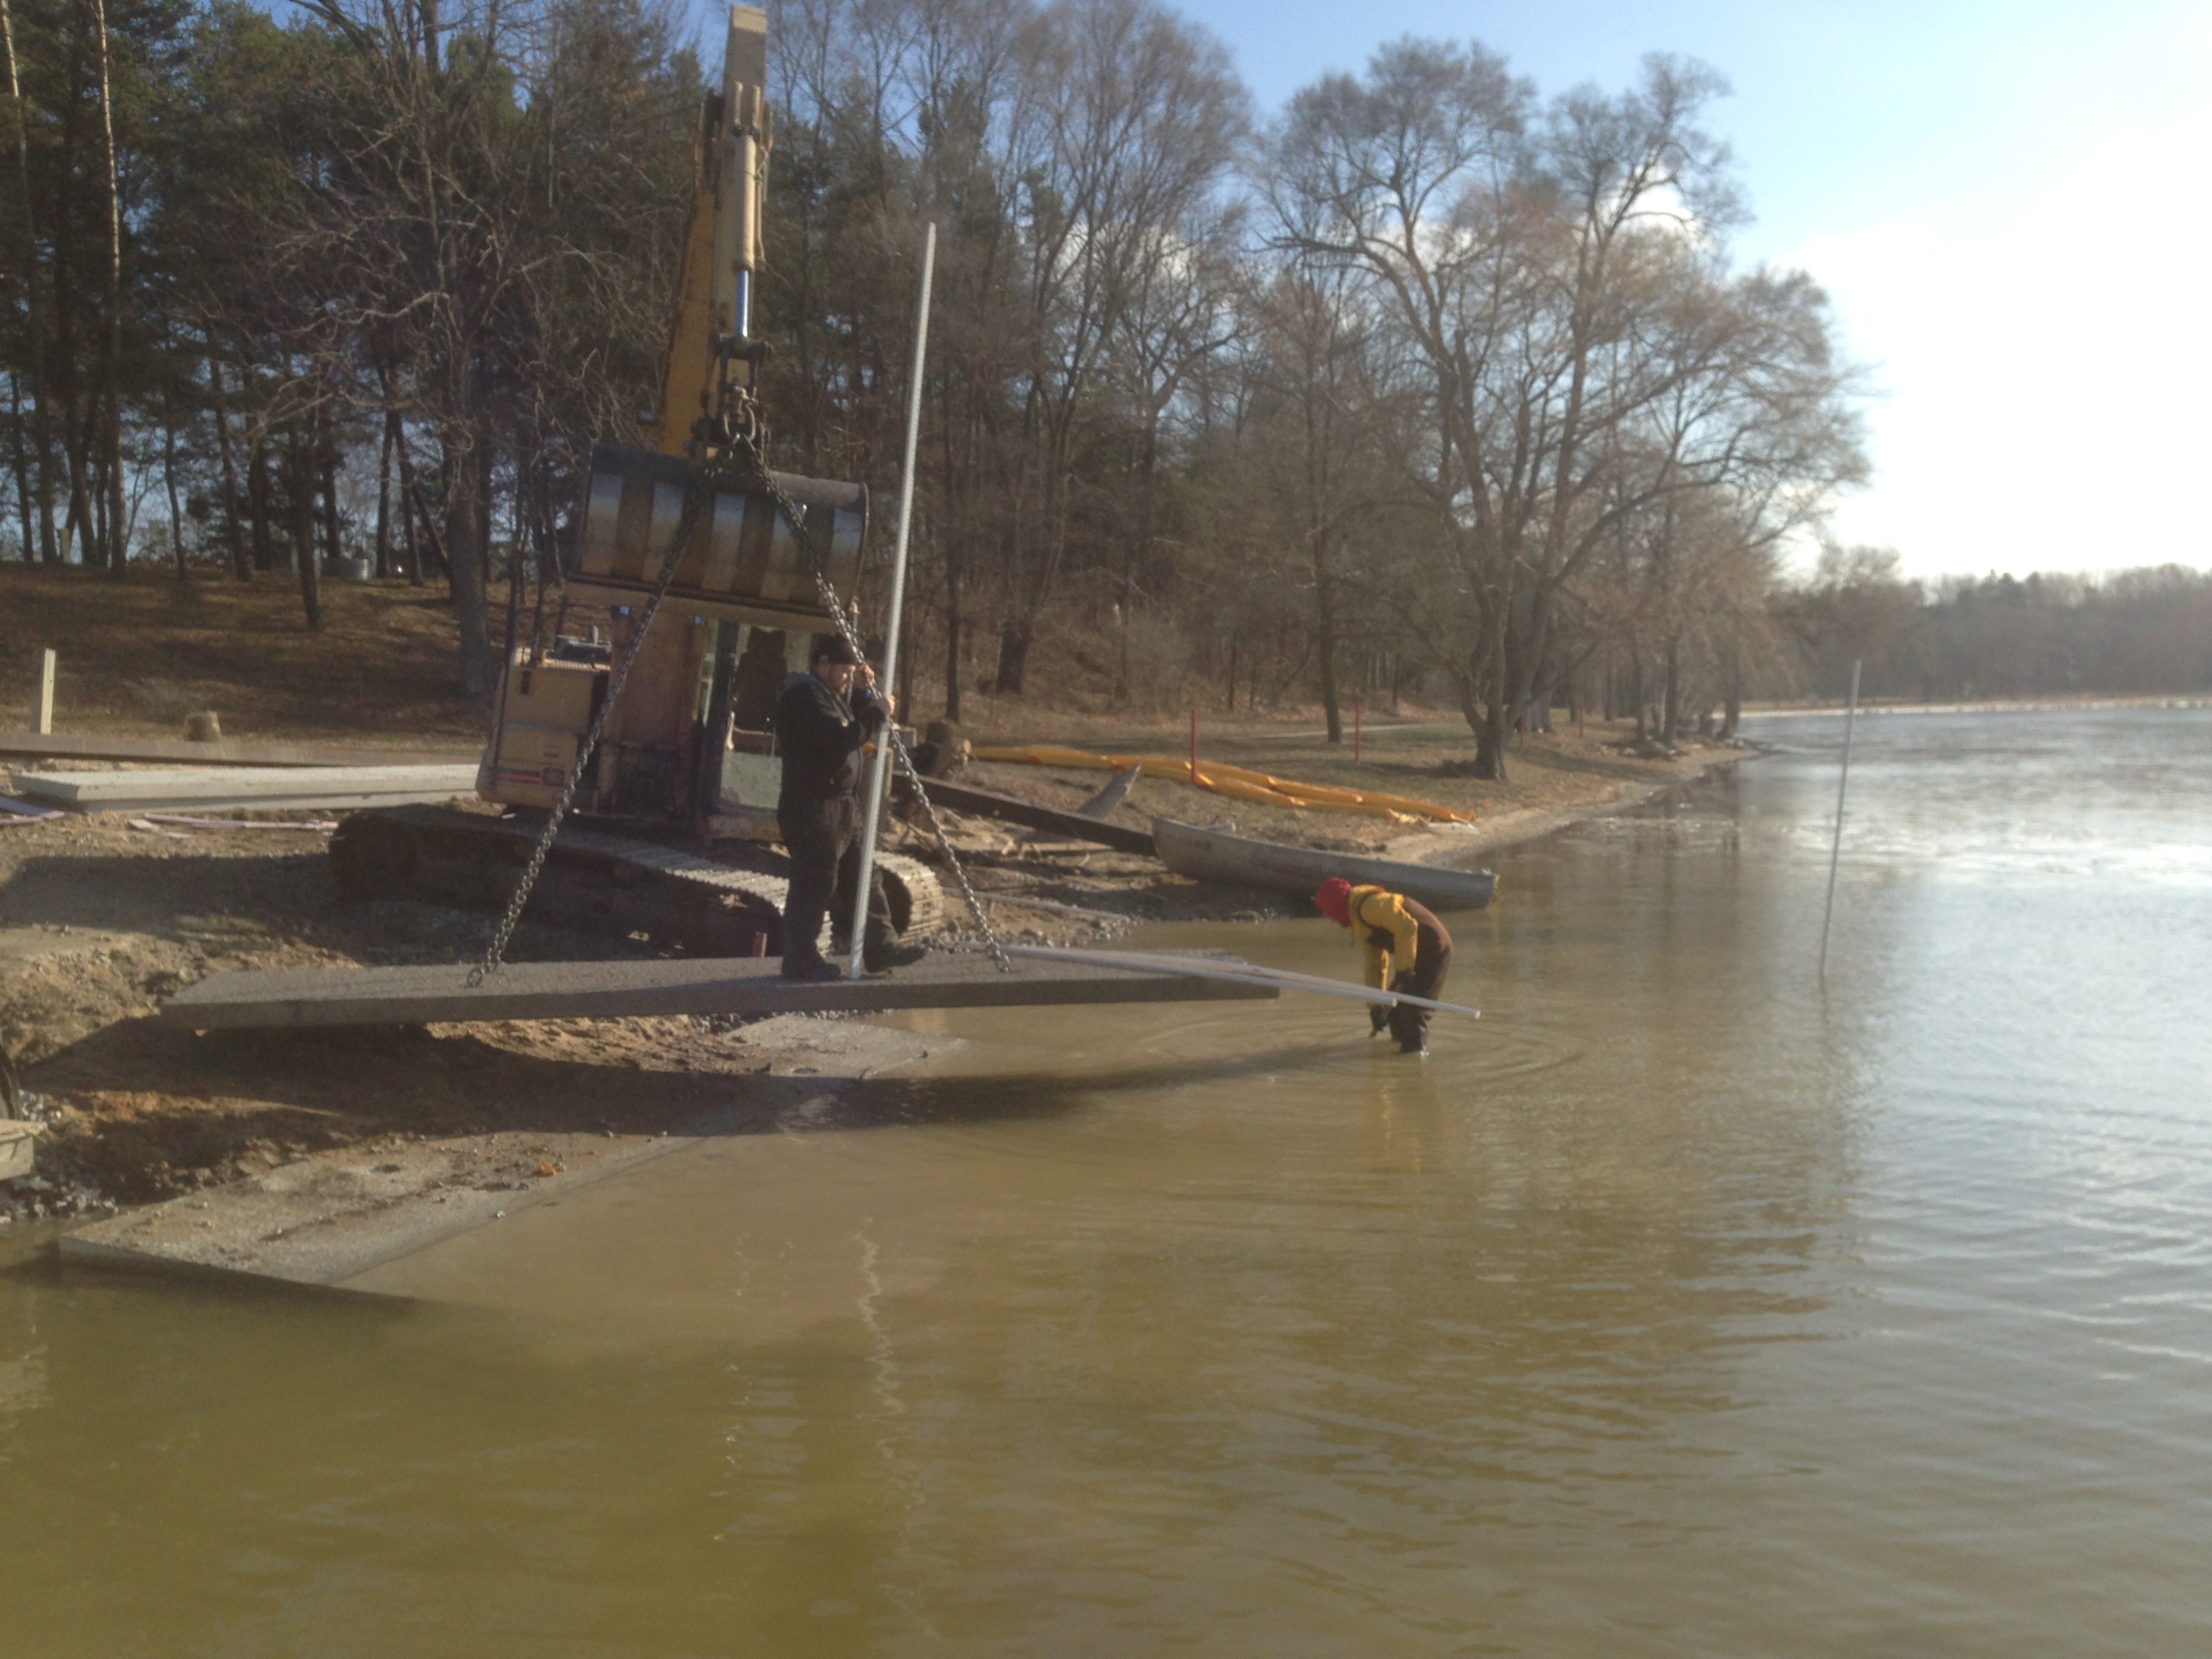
[1240,861]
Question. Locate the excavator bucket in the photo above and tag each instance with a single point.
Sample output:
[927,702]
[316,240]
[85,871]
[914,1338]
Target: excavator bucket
[743,563]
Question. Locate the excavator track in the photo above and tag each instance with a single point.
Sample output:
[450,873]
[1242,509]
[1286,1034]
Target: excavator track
[599,880]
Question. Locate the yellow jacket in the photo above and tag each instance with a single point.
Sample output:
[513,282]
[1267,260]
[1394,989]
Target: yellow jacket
[1378,909]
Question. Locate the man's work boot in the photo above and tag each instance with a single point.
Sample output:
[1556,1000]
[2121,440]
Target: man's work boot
[815,972]
[884,958]
[1415,1045]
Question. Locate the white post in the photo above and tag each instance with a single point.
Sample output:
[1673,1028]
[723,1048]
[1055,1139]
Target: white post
[888,675]
[1836,850]
[42,717]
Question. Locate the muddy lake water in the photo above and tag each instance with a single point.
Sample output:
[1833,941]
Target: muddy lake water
[1679,1307]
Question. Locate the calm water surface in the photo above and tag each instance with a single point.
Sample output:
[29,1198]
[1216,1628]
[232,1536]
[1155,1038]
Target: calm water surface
[1676,1307]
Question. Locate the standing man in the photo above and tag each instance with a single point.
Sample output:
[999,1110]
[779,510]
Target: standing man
[821,723]
[1407,951]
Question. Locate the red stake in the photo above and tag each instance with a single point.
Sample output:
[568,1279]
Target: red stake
[1194,746]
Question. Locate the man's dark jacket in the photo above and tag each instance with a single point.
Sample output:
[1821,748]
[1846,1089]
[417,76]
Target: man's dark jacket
[819,736]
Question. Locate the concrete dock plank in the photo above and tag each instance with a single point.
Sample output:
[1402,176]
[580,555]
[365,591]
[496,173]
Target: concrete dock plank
[42,745]
[612,990]
[259,788]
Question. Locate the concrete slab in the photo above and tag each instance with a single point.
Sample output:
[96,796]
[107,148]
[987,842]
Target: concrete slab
[325,1219]
[221,752]
[330,1217]
[257,788]
[610,990]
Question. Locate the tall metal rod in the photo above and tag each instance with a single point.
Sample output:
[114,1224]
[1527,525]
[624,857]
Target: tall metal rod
[1836,849]
[856,965]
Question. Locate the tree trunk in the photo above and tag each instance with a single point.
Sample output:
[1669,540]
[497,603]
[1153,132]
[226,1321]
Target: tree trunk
[77,526]
[410,504]
[301,470]
[384,497]
[169,483]
[326,452]
[1015,636]
[241,564]
[258,506]
[1493,711]
[118,550]
[465,559]
[100,546]
[24,486]
[42,436]
[1325,642]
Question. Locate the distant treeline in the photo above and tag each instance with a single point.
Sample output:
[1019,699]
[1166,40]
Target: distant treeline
[1429,379]
[2133,632]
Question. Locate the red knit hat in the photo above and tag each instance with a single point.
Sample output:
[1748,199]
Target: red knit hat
[1335,898]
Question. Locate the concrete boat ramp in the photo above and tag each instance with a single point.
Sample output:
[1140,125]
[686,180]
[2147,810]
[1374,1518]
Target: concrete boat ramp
[330,1218]
[725,985]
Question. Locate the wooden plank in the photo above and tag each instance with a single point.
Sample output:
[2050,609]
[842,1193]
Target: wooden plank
[614,990]
[226,752]
[1010,809]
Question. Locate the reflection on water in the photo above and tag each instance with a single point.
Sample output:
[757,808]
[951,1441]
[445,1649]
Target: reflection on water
[1673,1308]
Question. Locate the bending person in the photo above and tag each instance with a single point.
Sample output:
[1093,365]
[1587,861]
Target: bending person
[1408,950]
[823,718]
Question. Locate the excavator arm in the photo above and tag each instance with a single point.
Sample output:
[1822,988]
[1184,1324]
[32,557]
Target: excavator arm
[711,338]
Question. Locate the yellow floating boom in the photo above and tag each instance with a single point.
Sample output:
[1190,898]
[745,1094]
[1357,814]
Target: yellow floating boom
[1240,783]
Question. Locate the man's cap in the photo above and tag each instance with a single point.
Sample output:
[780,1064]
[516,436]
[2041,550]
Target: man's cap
[1335,898]
[832,648]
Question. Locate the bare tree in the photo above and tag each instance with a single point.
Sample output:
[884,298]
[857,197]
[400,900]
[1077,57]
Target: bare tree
[1129,119]
[1563,281]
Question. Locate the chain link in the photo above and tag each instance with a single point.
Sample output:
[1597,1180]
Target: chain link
[703,487]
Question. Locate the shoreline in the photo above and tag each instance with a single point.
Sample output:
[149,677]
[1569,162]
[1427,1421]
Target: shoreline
[1992,706]
[103,921]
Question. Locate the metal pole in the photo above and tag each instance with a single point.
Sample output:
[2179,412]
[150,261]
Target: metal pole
[1355,731]
[856,965]
[1836,850]
[1194,746]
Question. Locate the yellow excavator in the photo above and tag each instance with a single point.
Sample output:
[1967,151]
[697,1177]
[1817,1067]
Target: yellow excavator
[675,809]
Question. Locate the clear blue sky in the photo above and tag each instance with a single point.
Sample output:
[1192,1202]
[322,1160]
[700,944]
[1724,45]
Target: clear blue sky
[2004,201]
